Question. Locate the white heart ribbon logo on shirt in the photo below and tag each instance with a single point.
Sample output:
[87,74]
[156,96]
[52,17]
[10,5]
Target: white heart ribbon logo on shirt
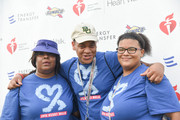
[50,92]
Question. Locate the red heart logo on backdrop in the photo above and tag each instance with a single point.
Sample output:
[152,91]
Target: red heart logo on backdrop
[177,94]
[78,8]
[11,47]
[163,27]
[168,25]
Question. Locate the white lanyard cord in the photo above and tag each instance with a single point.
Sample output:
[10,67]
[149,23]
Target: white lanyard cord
[113,96]
[87,98]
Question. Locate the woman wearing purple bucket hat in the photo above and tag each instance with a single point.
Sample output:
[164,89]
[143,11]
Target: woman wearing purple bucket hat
[44,94]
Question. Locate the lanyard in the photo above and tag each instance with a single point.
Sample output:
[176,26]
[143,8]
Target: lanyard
[113,96]
[90,85]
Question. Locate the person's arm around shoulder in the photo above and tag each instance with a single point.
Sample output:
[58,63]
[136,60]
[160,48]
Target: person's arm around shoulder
[174,115]
[155,72]
[16,81]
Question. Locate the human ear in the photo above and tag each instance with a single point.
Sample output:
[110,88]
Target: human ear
[142,52]
[73,45]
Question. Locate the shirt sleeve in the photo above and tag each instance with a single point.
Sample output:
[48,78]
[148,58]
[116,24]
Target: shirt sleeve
[161,98]
[65,67]
[11,109]
[113,63]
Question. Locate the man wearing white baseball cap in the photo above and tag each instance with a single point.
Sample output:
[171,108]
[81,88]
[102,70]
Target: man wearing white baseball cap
[93,73]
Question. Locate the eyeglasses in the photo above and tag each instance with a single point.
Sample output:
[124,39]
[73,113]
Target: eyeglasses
[130,50]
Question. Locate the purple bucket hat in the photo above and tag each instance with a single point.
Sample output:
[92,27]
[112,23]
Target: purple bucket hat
[46,46]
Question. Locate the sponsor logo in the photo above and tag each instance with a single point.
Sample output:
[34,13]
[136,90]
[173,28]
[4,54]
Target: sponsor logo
[11,19]
[91,97]
[59,40]
[53,114]
[168,25]
[135,29]
[11,75]
[112,3]
[108,114]
[23,46]
[177,94]
[94,5]
[25,71]
[79,7]
[105,35]
[169,61]
[29,16]
[55,12]
[11,47]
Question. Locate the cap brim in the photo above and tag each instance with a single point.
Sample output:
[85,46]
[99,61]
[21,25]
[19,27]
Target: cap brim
[86,38]
[44,49]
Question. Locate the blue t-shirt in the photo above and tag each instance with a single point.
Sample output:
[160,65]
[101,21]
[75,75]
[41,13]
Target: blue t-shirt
[136,98]
[102,83]
[39,98]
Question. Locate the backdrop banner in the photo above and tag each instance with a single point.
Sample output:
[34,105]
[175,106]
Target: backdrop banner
[24,22]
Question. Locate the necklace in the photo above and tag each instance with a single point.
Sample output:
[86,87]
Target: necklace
[113,96]
[87,98]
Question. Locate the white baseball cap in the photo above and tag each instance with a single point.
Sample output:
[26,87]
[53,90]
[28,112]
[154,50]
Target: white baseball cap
[84,32]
